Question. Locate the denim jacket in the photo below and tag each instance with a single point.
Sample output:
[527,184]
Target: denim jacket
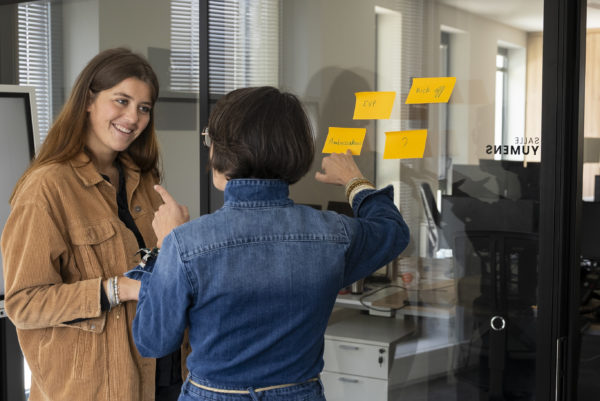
[256,282]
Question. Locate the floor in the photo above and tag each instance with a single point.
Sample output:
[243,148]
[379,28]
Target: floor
[465,387]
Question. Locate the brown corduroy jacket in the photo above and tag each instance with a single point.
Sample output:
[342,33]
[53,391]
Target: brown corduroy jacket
[62,238]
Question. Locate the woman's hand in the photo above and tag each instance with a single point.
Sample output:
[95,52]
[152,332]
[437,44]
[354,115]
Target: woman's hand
[168,216]
[338,168]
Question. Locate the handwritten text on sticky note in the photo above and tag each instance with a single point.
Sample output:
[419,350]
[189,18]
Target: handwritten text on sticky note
[405,144]
[341,139]
[431,90]
[373,105]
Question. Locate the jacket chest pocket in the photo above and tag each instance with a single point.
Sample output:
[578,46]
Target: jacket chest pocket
[95,249]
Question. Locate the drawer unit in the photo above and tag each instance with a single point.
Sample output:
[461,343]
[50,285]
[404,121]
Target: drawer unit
[356,359]
[358,356]
[341,387]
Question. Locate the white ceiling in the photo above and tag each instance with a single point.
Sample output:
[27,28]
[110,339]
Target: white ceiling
[522,14]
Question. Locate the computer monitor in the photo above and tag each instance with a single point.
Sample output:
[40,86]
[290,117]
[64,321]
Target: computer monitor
[590,230]
[18,135]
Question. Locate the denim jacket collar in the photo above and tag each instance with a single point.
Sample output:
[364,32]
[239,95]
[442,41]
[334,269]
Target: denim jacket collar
[253,192]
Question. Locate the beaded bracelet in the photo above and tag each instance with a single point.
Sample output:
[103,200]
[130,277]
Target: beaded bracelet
[356,190]
[113,292]
[351,184]
[355,183]
[116,285]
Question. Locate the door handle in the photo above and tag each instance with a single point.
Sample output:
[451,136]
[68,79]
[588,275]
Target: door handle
[497,323]
[346,380]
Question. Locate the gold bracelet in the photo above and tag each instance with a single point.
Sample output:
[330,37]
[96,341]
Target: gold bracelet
[355,182]
[358,189]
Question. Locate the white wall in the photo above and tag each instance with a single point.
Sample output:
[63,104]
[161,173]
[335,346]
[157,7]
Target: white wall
[473,62]
[81,38]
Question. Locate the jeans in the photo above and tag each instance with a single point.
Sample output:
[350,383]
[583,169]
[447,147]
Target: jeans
[310,391]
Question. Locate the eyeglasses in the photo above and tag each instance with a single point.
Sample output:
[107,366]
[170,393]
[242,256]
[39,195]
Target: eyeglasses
[206,138]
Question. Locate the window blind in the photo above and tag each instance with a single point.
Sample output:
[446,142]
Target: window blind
[185,46]
[34,57]
[243,44]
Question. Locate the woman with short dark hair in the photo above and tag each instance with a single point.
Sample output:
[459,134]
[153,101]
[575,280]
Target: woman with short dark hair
[256,280]
[261,133]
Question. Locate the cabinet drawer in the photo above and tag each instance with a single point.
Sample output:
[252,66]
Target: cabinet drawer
[340,387]
[356,359]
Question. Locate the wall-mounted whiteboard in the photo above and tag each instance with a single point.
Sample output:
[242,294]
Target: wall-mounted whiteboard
[18,143]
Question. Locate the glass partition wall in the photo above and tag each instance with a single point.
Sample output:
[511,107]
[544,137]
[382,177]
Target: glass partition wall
[589,263]
[455,314]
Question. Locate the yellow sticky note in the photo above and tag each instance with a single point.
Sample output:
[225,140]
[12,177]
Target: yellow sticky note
[341,139]
[373,105]
[405,144]
[431,90]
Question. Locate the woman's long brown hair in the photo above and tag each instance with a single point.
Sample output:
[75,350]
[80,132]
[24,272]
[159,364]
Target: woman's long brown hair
[66,138]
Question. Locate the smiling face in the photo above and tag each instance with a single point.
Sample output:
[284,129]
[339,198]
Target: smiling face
[117,116]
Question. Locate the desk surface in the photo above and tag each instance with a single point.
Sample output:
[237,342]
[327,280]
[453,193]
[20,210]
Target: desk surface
[375,330]
[393,298]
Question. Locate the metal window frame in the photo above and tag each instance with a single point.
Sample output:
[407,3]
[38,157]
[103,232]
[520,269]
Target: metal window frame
[561,186]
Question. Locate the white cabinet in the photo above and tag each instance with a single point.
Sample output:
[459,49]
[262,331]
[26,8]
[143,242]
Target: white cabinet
[359,354]
[357,358]
[341,387]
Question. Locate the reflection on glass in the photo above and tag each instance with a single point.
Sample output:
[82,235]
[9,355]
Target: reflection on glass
[589,362]
[501,96]
[472,201]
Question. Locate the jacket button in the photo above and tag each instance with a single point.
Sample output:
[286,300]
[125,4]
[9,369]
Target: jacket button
[137,209]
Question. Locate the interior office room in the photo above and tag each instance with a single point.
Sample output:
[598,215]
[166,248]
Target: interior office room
[496,296]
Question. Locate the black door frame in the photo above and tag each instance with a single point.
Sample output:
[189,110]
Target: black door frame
[561,182]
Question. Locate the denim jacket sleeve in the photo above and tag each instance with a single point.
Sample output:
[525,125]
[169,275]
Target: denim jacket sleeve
[165,294]
[378,234]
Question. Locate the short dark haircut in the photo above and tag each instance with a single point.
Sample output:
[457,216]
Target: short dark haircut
[261,133]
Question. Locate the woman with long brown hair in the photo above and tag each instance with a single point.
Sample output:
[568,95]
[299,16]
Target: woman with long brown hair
[78,216]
